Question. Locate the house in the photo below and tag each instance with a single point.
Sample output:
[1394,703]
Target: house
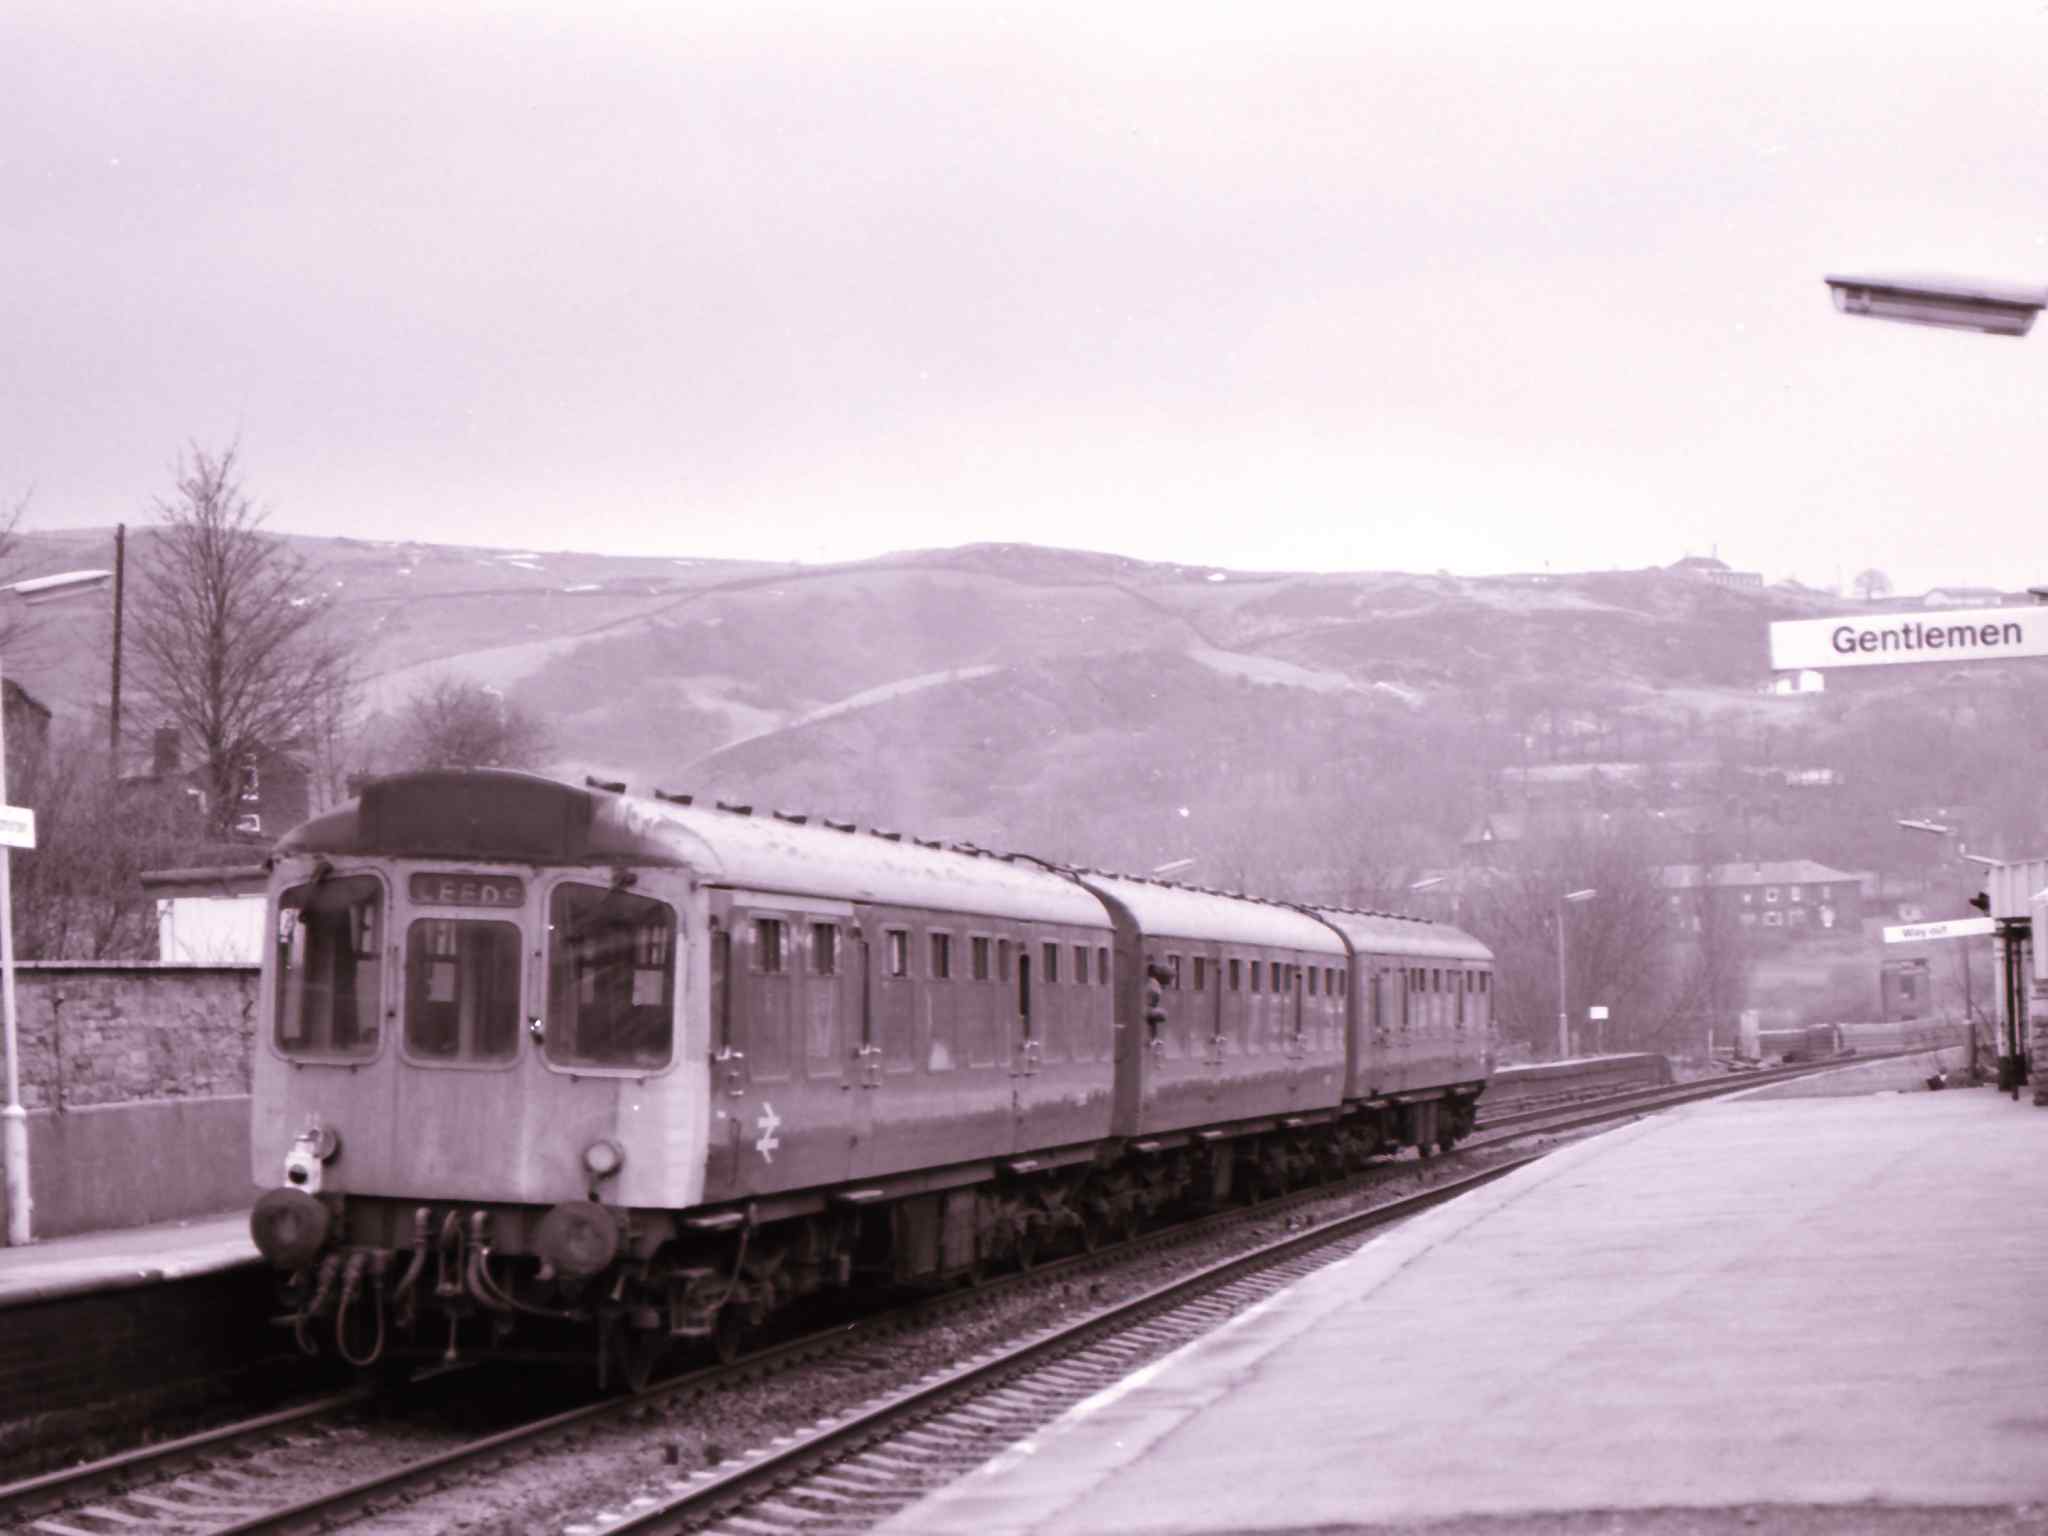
[1707,568]
[1962,597]
[1799,897]
[273,788]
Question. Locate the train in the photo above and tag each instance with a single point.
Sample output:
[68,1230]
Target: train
[554,1069]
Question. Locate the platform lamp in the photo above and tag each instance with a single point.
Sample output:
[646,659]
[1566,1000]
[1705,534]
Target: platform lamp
[1954,303]
[1564,1018]
[14,1118]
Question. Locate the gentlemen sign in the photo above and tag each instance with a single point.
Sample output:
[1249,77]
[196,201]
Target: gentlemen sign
[1886,639]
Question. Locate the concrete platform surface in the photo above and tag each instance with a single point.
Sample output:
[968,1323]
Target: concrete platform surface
[114,1261]
[1823,1301]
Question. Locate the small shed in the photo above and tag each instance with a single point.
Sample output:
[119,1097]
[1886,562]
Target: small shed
[211,915]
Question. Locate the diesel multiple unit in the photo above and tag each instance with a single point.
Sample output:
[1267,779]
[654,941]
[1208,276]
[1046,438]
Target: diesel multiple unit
[555,1067]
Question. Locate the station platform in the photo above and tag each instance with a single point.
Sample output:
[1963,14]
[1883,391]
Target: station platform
[1825,1312]
[124,1260]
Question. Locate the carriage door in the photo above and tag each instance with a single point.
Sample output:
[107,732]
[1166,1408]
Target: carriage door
[864,1058]
[1025,1062]
[1297,1041]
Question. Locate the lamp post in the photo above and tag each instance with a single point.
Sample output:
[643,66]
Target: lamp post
[1945,831]
[1564,1017]
[14,1117]
[1956,304]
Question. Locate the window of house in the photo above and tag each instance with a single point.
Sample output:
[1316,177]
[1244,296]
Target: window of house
[1748,919]
[1774,919]
[942,956]
[1770,893]
[249,821]
[250,787]
[1796,892]
[824,949]
[977,956]
[1748,898]
[1797,918]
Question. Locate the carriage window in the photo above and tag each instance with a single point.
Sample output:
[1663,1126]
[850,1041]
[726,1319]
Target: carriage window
[1236,973]
[1201,973]
[1002,959]
[898,941]
[1102,963]
[977,950]
[942,956]
[1052,964]
[462,989]
[1482,981]
[824,949]
[768,940]
[1254,968]
[1311,981]
[329,967]
[1081,964]
[1173,972]
[612,977]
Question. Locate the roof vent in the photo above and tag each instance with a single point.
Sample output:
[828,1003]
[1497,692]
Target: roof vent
[662,794]
[737,810]
[794,818]
[838,826]
[615,786]
[885,833]
[927,842]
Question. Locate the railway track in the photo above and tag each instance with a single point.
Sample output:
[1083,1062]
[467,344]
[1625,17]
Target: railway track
[321,1466]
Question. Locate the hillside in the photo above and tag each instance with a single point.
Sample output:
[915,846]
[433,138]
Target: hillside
[1092,705]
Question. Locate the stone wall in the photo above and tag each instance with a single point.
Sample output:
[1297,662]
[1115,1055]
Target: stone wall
[136,1079]
[112,1034]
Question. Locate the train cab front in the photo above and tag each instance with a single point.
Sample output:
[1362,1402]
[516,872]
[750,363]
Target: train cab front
[466,1103]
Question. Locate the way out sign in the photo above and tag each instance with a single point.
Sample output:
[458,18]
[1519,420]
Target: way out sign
[1888,639]
[1958,928]
[17,827]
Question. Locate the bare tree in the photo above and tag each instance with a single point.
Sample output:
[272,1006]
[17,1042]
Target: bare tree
[233,645]
[452,722]
[78,893]
[1872,584]
[1617,941]
[14,628]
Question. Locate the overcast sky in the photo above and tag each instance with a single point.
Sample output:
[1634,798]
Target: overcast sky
[1259,286]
